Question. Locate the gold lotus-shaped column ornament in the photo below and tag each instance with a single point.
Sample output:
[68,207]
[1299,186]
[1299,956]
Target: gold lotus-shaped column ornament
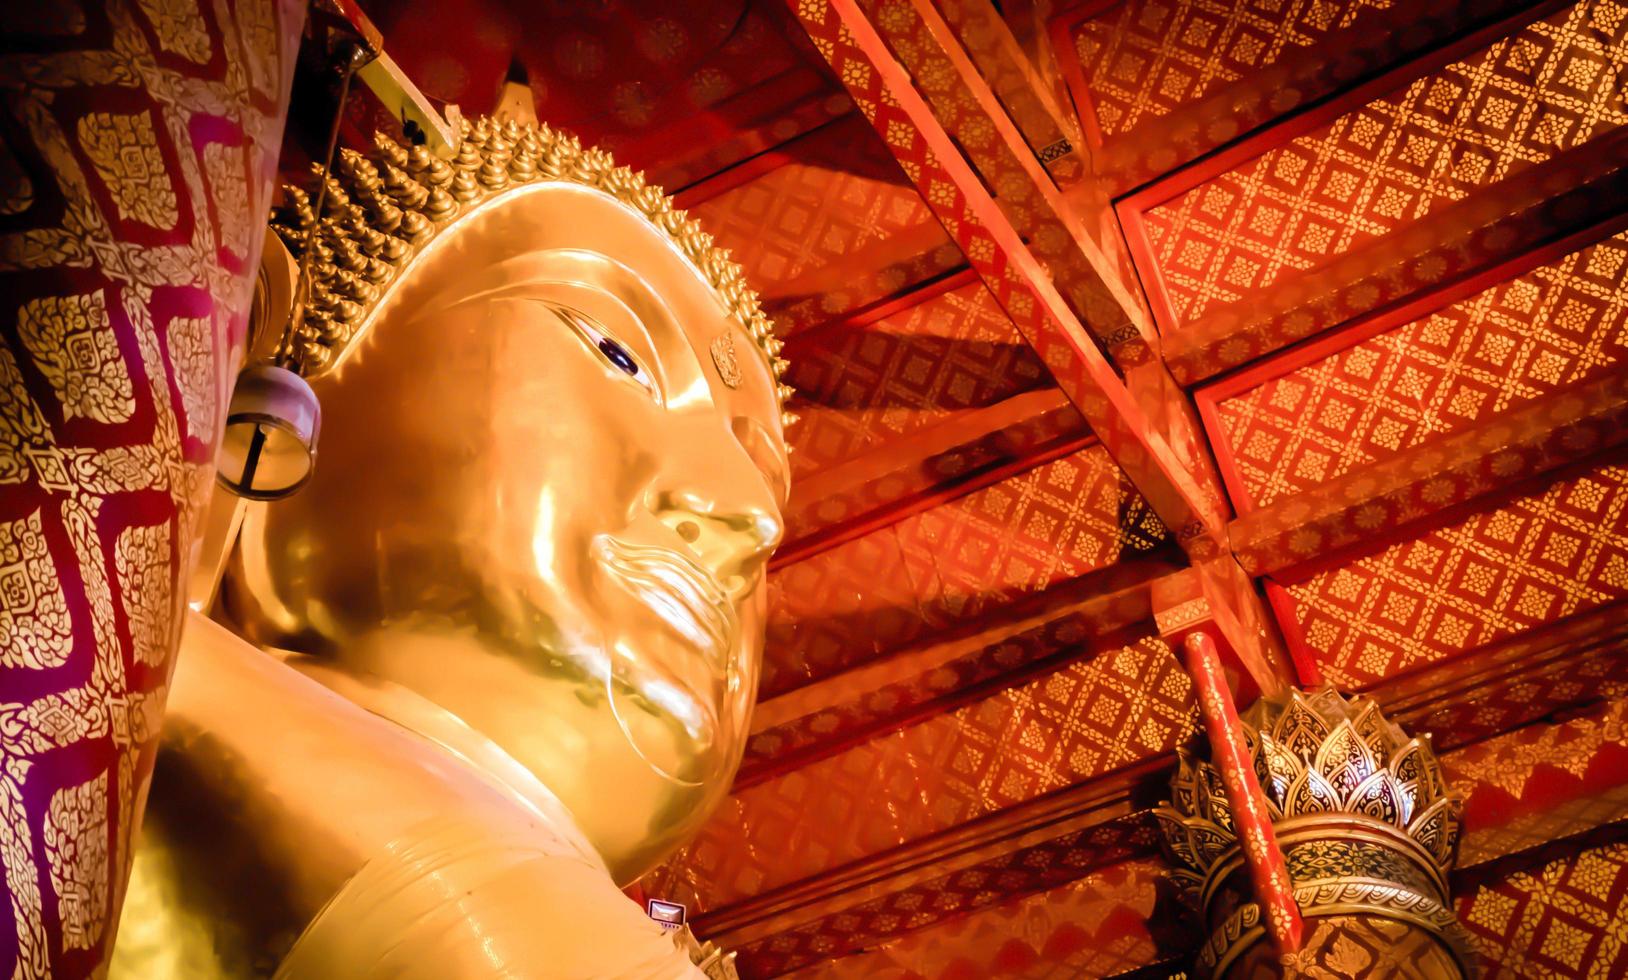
[1368,830]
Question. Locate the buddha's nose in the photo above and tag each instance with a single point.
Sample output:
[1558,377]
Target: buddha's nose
[721,506]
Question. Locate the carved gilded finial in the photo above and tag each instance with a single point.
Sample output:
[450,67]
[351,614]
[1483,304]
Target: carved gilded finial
[296,211]
[1360,809]
[389,150]
[404,190]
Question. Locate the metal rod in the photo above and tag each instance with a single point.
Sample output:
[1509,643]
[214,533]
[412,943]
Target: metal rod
[354,57]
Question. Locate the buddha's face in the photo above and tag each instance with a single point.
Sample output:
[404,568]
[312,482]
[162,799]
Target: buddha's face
[544,503]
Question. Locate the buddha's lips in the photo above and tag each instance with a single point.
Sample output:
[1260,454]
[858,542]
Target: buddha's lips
[685,595]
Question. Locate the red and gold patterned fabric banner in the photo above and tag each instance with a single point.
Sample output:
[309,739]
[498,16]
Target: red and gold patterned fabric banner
[138,143]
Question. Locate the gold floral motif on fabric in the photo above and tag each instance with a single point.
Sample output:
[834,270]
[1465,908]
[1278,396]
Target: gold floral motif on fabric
[142,558]
[76,846]
[124,151]
[35,630]
[73,345]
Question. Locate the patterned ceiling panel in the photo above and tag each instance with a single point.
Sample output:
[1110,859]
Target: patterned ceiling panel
[1546,554]
[1557,325]
[1540,674]
[834,228]
[842,607]
[1541,783]
[1089,718]
[1161,82]
[1549,89]
[981,448]
[947,898]
[653,82]
[1563,198]
[1020,537]
[861,388]
[1502,705]
[856,705]
[1562,912]
[950,565]
[1146,59]
[1102,924]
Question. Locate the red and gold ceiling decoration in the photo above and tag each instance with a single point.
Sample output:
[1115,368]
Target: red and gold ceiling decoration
[1311,314]
[1322,302]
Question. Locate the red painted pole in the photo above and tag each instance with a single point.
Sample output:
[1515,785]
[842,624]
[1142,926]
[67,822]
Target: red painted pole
[1267,871]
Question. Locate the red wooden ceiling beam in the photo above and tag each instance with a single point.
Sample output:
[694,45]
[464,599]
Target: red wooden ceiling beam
[1091,616]
[1541,783]
[1176,479]
[1501,687]
[1369,506]
[1053,134]
[971,450]
[885,94]
[995,249]
[1041,843]
[1086,259]
[1268,870]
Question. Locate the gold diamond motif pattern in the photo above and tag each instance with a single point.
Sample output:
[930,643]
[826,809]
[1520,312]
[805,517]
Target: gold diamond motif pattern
[1096,926]
[1557,325]
[1565,918]
[801,230]
[1151,57]
[949,565]
[1022,536]
[1551,87]
[1087,719]
[858,390]
[1545,555]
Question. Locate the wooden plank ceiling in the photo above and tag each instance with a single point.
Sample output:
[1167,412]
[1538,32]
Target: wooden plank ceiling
[1323,299]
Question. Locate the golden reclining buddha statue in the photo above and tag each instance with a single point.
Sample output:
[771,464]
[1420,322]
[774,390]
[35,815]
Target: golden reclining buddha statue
[496,658]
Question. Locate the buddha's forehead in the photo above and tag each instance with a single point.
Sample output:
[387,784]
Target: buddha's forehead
[565,243]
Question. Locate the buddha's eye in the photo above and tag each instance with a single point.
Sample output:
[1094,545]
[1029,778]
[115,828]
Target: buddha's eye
[611,349]
[618,355]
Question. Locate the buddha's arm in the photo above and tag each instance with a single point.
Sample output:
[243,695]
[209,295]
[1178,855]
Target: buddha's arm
[285,817]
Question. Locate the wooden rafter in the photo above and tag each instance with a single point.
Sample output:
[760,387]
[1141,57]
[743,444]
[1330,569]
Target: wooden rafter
[1369,506]
[1141,418]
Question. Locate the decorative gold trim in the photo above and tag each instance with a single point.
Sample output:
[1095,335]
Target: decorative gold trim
[712,961]
[379,213]
[1227,941]
[1183,615]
